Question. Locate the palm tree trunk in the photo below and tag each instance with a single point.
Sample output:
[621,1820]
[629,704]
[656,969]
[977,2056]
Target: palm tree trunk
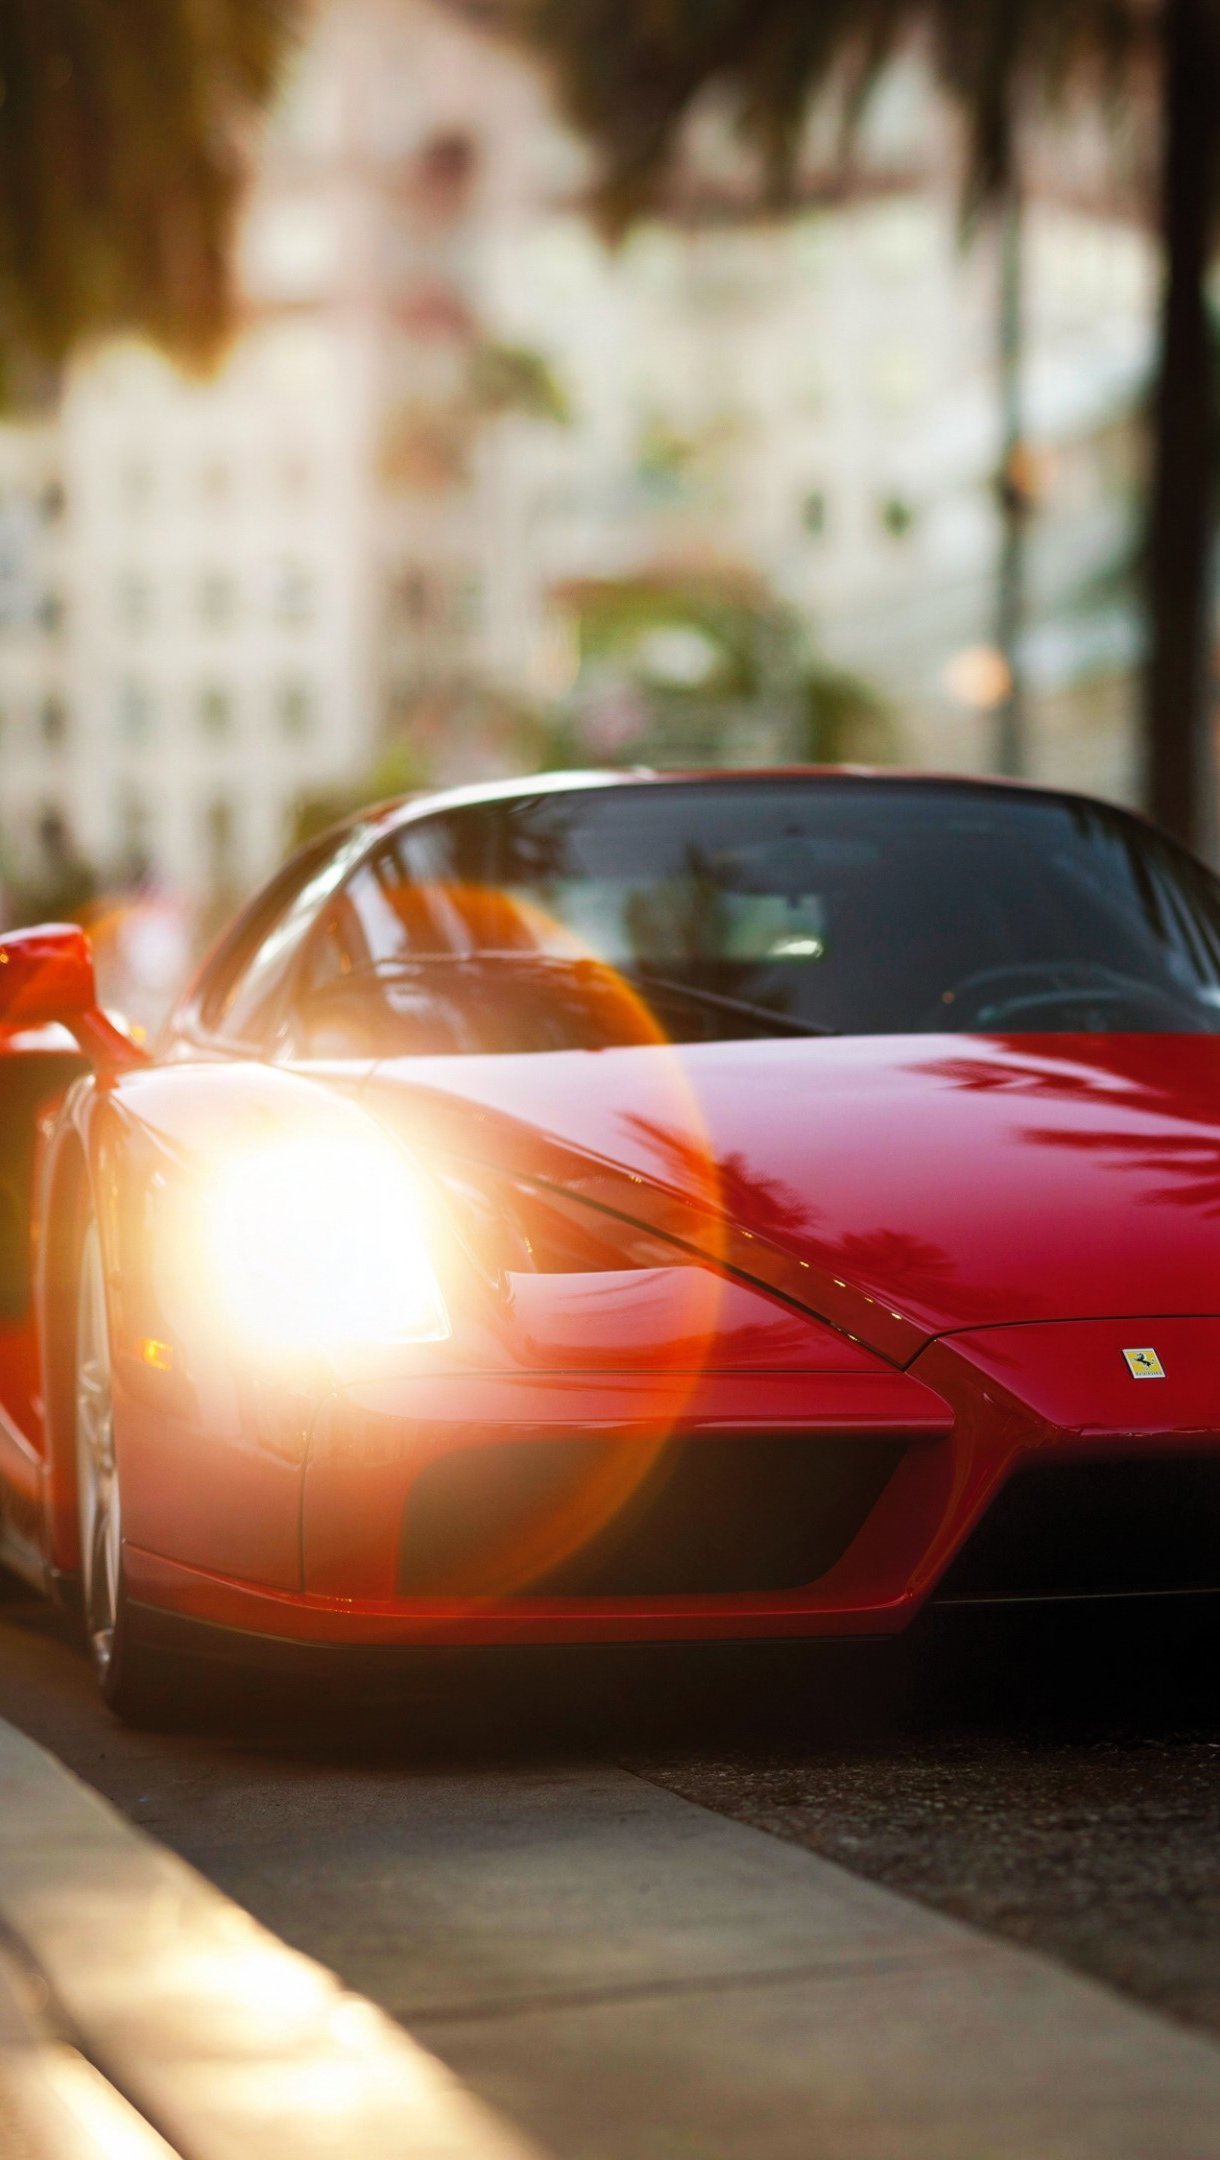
[1179,783]
[1011,746]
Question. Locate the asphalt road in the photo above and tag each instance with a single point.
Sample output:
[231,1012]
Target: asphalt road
[1054,1778]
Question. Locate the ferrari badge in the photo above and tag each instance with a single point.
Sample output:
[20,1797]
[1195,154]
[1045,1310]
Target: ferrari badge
[1144,1365]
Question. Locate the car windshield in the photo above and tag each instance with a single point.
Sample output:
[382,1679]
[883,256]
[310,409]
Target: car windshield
[777,907]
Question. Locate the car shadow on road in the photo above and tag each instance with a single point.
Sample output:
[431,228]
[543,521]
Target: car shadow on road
[1058,1674]
[1069,1674]
[1047,1774]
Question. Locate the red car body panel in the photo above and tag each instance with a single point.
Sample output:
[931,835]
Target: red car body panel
[903,1187]
[1049,1177]
[936,1248]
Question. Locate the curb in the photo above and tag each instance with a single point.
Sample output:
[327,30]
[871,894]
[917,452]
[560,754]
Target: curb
[161,1996]
[54,2105]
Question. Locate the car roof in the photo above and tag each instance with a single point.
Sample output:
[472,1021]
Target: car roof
[403,810]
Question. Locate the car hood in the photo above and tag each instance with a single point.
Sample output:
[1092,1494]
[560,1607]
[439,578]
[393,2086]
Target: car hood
[901,1187]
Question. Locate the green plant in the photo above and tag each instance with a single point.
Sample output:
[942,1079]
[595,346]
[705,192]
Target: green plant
[707,640]
[516,379]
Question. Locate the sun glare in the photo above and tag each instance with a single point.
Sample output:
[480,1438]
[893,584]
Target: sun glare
[320,1244]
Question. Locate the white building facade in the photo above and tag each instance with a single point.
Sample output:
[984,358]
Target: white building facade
[217,597]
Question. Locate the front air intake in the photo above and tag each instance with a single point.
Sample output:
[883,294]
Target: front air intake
[1100,1529]
[717,1514]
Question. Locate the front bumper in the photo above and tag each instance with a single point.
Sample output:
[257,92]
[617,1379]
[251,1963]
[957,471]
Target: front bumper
[914,1463]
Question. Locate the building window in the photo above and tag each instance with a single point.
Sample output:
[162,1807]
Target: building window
[295,710]
[411,599]
[53,721]
[135,711]
[134,823]
[216,710]
[54,836]
[467,604]
[292,596]
[444,174]
[898,516]
[217,599]
[813,513]
[220,842]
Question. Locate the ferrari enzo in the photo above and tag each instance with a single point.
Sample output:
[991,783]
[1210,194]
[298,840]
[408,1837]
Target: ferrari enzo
[625,1207]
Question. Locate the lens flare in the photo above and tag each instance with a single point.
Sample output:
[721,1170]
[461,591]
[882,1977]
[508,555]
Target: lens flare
[687,1199]
[321,1244]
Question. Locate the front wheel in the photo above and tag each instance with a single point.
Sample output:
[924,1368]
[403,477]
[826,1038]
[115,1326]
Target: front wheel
[133,1684]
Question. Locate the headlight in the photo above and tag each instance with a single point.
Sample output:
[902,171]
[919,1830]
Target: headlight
[321,1244]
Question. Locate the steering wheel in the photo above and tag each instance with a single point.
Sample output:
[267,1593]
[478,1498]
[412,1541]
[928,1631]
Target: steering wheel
[1037,994]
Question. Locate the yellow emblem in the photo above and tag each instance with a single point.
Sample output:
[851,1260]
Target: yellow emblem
[1144,1365]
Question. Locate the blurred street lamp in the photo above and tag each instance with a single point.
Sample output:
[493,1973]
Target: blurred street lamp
[979,678]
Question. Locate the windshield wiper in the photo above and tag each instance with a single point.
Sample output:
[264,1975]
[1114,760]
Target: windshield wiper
[720,1001]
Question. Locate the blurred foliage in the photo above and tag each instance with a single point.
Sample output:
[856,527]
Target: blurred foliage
[745,635]
[629,71]
[399,770]
[710,640]
[516,379]
[846,720]
[427,444]
[665,459]
[1116,582]
[124,132]
[496,734]
[659,654]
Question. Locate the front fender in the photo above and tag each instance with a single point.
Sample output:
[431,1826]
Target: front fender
[209,1450]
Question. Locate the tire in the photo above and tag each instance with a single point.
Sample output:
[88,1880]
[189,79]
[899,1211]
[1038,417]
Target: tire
[133,1681]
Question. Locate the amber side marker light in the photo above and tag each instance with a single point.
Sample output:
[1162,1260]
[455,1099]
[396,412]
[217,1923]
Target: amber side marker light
[157,1354]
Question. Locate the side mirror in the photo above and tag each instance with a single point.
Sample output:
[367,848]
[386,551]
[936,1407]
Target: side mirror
[46,977]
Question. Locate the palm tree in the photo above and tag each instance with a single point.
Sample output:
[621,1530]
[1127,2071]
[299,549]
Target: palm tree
[629,71]
[123,129]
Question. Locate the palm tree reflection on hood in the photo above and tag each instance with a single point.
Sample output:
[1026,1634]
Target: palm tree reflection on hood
[727,1183]
[1181,1104]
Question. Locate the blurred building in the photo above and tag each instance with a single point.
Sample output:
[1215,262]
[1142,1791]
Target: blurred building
[815,398]
[36,718]
[448,400]
[216,596]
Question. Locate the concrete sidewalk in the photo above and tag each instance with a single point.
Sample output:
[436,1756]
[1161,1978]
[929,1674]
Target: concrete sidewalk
[614,1972]
[143,2014]
[54,2105]
[632,1978]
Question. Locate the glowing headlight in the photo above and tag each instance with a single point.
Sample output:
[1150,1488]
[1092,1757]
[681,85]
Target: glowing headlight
[320,1244]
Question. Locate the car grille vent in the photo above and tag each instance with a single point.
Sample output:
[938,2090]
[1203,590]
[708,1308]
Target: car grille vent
[1095,1529]
[715,1514]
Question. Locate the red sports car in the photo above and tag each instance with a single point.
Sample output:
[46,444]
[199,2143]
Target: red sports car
[619,1208]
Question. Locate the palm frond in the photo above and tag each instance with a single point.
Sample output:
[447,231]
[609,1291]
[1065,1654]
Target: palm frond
[630,71]
[123,149]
